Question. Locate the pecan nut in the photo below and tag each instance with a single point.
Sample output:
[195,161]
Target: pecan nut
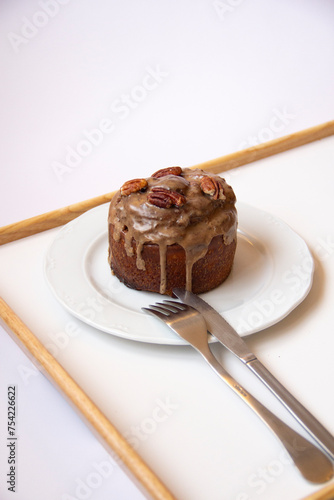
[165,198]
[167,171]
[212,187]
[133,186]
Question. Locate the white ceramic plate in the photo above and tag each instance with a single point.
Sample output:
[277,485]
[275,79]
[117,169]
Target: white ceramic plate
[272,274]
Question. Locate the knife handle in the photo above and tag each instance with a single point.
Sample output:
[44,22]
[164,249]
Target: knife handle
[304,417]
[312,463]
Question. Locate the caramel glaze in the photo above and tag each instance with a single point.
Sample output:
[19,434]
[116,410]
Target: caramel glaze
[192,225]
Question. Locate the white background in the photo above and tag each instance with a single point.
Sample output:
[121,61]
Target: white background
[225,77]
[229,74]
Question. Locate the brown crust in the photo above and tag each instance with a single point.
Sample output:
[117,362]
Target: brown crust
[208,272]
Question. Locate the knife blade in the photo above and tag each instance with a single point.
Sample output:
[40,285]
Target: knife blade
[230,339]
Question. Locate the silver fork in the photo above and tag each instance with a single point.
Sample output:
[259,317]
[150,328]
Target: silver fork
[190,325]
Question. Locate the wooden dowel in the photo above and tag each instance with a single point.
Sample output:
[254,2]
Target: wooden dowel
[61,216]
[326,493]
[269,148]
[109,436]
[49,220]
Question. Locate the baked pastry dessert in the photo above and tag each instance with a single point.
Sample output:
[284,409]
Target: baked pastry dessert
[177,228]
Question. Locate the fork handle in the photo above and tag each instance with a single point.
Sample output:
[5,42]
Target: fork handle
[304,417]
[311,462]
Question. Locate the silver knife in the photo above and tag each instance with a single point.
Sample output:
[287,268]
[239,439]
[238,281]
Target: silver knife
[229,338]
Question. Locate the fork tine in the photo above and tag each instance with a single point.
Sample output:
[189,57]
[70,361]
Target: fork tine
[178,305]
[169,305]
[159,306]
[155,312]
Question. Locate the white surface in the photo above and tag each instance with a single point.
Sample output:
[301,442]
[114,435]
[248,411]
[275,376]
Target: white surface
[262,288]
[223,79]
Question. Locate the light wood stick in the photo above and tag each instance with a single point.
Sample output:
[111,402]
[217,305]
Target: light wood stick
[61,216]
[49,220]
[110,437]
[269,148]
[326,493]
